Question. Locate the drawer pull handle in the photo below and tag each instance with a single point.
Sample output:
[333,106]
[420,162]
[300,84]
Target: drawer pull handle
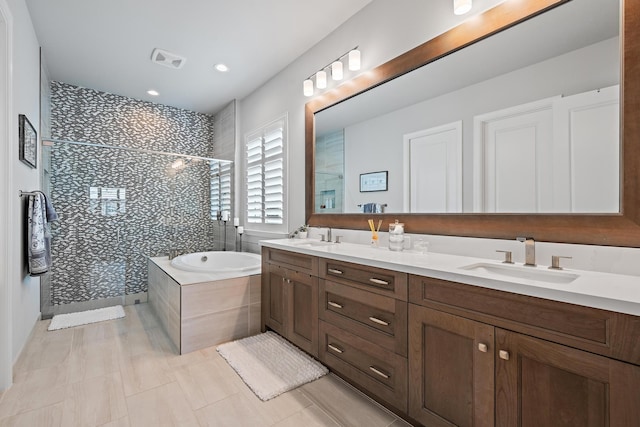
[504,355]
[336,349]
[334,271]
[379,372]
[483,347]
[378,321]
[334,304]
[378,281]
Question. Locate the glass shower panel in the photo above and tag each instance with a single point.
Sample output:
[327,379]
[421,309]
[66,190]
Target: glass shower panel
[118,206]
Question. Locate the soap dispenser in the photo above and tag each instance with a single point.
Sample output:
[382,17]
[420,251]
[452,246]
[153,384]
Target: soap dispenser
[396,236]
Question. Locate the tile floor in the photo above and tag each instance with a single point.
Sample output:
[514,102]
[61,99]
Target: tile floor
[125,373]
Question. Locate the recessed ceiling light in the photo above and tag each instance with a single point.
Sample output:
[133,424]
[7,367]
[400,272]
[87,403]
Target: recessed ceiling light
[153,92]
[222,68]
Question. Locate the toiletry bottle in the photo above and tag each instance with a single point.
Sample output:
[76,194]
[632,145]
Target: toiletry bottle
[396,236]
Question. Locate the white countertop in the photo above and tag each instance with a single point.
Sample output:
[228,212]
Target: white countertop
[614,292]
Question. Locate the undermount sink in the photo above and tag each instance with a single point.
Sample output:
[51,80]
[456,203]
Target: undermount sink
[309,242]
[522,272]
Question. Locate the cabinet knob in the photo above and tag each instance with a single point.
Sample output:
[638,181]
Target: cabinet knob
[334,271]
[483,347]
[378,372]
[504,354]
[334,304]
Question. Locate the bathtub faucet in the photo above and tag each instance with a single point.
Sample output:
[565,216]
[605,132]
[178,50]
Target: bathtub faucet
[174,252]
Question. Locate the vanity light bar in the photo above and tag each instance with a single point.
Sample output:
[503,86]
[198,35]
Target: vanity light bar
[337,71]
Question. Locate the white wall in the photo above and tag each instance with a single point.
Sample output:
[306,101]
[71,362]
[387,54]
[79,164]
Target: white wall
[382,30]
[23,292]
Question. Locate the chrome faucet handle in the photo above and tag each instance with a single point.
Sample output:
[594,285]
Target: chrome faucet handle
[322,239]
[338,239]
[507,257]
[555,262]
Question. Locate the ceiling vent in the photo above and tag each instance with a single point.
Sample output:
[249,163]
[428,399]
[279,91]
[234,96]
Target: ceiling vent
[167,59]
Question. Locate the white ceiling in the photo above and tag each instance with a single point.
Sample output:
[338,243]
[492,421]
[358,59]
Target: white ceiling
[107,45]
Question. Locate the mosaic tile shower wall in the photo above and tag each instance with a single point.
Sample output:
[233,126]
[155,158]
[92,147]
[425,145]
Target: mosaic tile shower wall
[117,207]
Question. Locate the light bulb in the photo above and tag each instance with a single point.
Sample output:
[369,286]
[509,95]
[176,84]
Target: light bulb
[460,7]
[321,79]
[336,70]
[354,60]
[307,87]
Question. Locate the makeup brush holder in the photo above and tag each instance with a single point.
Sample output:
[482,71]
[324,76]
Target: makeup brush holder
[396,236]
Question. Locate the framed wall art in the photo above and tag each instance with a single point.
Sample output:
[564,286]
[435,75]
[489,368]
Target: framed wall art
[374,181]
[28,141]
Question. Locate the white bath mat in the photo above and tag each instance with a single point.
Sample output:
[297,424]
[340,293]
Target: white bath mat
[270,365]
[62,321]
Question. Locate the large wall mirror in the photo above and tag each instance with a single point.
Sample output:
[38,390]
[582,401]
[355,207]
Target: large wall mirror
[508,124]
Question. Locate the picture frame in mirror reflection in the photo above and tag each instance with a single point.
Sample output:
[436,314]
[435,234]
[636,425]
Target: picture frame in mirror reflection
[28,140]
[374,181]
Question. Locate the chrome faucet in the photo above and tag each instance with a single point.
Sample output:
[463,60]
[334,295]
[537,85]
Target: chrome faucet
[328,234]
[529,250]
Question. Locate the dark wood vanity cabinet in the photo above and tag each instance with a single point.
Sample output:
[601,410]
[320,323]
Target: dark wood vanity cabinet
[290,297]
[540,383]
[451,368]
[449,354]
[363,328]
[465,370]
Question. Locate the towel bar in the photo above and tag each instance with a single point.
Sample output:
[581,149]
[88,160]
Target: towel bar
[27,193]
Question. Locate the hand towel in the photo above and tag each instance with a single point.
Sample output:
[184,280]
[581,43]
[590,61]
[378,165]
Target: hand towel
[38,234]
[52,215]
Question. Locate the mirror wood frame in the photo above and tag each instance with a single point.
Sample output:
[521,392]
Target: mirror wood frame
[617,229]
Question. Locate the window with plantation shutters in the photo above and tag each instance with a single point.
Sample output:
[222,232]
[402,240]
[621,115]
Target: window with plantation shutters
[265,163]
[220,187]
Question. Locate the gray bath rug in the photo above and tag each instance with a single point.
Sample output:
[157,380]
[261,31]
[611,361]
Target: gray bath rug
[270,365]
[62,321]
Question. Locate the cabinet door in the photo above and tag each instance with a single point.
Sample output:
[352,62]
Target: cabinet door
[302,311]
[539,383]
[273,298]
[451,367]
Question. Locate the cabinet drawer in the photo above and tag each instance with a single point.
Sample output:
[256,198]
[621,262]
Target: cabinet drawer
[378,280]
[296,261]
[380,372]
[374,317]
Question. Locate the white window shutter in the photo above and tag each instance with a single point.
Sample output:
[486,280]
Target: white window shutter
[265,174]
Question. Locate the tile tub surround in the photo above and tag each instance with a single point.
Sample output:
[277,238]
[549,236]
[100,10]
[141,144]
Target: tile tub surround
[201,310]
[607,291]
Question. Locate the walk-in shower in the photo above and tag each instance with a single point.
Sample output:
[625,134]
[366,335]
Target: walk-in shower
[117,206]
